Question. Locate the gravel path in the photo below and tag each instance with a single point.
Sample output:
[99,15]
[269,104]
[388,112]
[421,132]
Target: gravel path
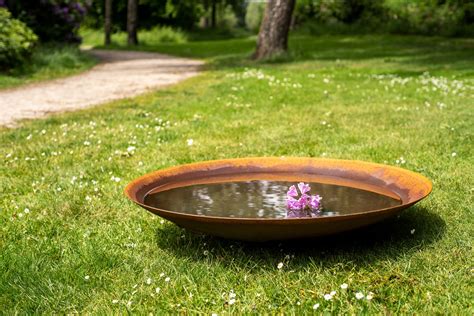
[120,74]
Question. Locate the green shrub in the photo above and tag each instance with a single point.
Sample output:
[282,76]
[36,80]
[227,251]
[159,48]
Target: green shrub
[16,40]
[426,17]
[226,17]
[162,34]
[254,15]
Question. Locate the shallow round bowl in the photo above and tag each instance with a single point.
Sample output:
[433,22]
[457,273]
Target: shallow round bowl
[397,183]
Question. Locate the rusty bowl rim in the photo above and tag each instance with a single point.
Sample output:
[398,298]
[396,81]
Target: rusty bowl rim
[155,174]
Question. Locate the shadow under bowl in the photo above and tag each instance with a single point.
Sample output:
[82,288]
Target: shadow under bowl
[403,186]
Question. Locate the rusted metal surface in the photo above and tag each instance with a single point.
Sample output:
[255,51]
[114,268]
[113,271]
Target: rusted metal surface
[409,187]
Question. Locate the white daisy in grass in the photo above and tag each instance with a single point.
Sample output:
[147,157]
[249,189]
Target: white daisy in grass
[167,279]
[359,295]
[344,286]
[327,297]
[190,142]
[115,179]
[280,265]
[316,306]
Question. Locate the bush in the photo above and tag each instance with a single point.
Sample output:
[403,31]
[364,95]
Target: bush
[254,15]
[226,17]
[162,34]
[427,17]
[155,36]
[448,18]
[51,20]
[16,40]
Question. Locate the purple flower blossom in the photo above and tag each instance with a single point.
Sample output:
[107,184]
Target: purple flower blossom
[315,202]
[303,200]
[292,192]
[292,203]
[305,205]
[79,8]
[304,188]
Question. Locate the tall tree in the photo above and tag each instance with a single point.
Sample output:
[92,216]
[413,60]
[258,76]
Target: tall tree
[213,13]
[108,21]
[132,22]
[273,34]
[205,4]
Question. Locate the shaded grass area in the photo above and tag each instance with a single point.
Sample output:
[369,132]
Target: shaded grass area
[48,62]
[71,242]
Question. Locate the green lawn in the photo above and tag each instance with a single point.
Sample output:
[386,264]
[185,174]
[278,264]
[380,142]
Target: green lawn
[72,243]
[48,62]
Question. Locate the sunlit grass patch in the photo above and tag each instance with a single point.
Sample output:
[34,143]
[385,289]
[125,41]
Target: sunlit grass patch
[71,242]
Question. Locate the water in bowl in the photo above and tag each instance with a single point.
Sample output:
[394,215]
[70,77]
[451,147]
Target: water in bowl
[263,199]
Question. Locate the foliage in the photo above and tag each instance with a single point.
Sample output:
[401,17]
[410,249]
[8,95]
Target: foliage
[16,40]
[163,34]
[254,15]
[183,14]
[71,243]
[48,62]
[154,36]
[227,17]
[429,17]
[450,17]
[52,20]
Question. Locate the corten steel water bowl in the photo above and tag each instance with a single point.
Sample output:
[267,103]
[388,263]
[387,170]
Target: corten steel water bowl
[402,185]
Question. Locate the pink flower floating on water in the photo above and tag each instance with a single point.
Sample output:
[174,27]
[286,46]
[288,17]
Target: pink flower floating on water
[300,203]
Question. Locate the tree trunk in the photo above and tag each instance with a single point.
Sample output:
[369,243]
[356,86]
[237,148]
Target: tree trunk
[108,21]
[206,16]
[213,13]
[132,22]
[273,34]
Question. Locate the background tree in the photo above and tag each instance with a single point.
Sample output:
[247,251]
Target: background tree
[273,34]
[132,22]
[108,21]
[213,13]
